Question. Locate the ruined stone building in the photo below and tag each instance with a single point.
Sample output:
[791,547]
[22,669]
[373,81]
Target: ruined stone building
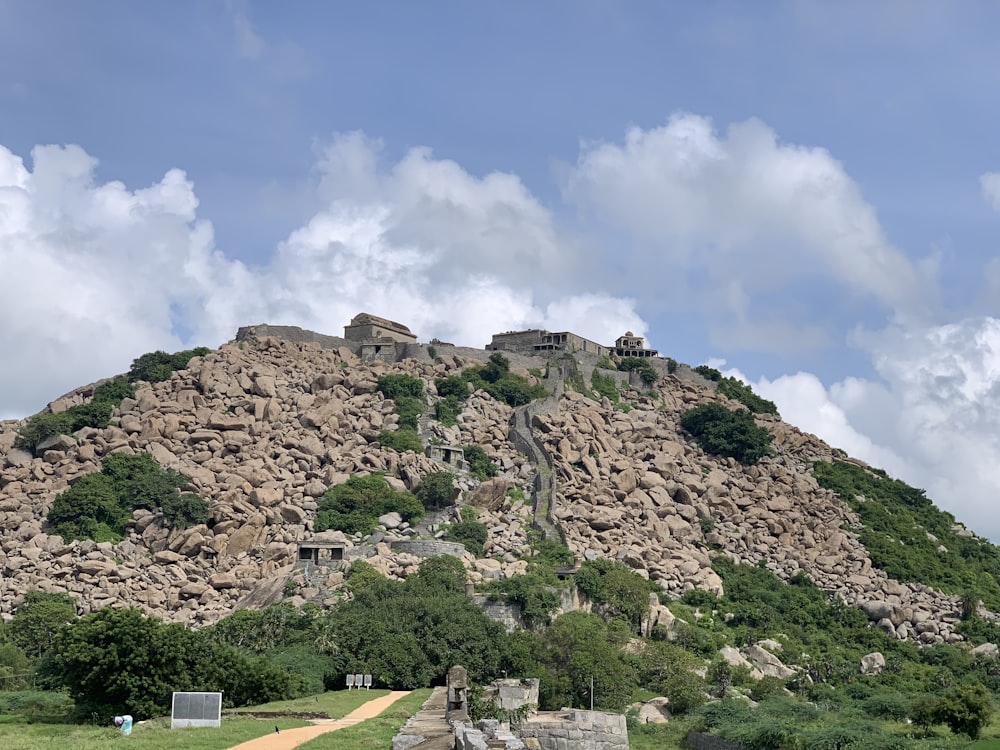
[631,345]
[537,341]
[379,338]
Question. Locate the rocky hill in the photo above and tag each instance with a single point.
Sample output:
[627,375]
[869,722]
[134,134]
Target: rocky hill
[265,425]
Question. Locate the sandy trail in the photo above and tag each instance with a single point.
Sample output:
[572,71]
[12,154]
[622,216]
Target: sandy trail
[290,738]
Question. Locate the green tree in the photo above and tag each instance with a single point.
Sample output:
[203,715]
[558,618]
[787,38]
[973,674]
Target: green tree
[355,506]
[408,634]
[480,465]
[401,440]
[964,710]
[396,385]
[181,511]
[154,367]
[39,618]
[470,534]
[118,660]
[437,490]
[617,590]
[727,432]
[579,646]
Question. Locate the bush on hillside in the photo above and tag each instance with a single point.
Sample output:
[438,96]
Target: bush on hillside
[98,506]
[355,506]
[910,539]
[496,379]
[470,534]
[157,366]
[453,385]
[403,439]
[617,591]
[709,373]
[95,413]
[407,393]
[437,490]
[446,410]
[396,385]
[532,593]
[605,386]
[641,365]
[740,391]
[727,432]
[480,465]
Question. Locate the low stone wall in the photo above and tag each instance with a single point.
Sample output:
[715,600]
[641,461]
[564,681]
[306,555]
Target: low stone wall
[294,334]
[428,548]
[574,729]
[507,614]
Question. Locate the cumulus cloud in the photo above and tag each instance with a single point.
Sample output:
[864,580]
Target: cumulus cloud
[743,205]
[931,419]
[100,273]
[989,183]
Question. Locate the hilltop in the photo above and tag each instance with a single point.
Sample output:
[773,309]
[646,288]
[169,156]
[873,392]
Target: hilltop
[264,426]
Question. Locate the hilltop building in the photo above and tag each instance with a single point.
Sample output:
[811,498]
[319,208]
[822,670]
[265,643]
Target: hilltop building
[631,345]
[379,338]
[538,341]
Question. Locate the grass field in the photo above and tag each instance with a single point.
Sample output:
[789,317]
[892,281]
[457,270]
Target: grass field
[157,735]
[374,733]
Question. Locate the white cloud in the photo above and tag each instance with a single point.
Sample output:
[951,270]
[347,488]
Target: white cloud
[989,183]
[100,273]
[744,206]
[931,421]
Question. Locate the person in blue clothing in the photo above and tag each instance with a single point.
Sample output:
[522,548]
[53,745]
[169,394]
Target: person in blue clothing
[124,723]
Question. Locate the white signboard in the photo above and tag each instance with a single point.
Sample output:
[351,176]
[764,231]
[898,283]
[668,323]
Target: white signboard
[368,682]
[196,710]
[350,681]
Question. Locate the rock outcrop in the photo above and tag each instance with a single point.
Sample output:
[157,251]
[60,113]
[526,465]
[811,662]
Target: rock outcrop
[263,427]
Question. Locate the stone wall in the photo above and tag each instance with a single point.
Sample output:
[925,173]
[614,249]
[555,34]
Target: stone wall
[507,614]
[575,729]
[295,335]
[428,548]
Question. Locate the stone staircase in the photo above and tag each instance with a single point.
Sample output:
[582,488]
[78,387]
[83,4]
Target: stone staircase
[523,436]
[428,729]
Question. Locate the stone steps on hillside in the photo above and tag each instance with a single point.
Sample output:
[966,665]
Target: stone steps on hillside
[428,729]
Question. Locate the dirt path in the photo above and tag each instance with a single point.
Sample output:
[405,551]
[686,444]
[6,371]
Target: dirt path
[290,738]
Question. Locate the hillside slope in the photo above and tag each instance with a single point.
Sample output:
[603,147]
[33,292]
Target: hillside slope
[262,427]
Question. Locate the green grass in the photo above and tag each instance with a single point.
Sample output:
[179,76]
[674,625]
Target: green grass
[157,735]
[377,732]
[151,735]
[337,703]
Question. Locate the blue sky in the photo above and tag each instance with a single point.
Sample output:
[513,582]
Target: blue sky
[804,190]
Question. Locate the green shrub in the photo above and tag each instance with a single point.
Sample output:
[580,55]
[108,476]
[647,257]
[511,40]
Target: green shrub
[727,432]
[551,554]
[618,591]
[95,413]
[409,410]
[187,509]
[432,351]
[453,385]
[403,439]
[886,706]
[98,506]
[437,490]
[480,465]
[913,541]
[396,385]
[446,411]
[496,379]
[471,534]
[605,386]
[605,363]
[157,366]
[354,507]
[671,365]
[647,373]
[114,390]
[709,373]
[532,593]
[740,391]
